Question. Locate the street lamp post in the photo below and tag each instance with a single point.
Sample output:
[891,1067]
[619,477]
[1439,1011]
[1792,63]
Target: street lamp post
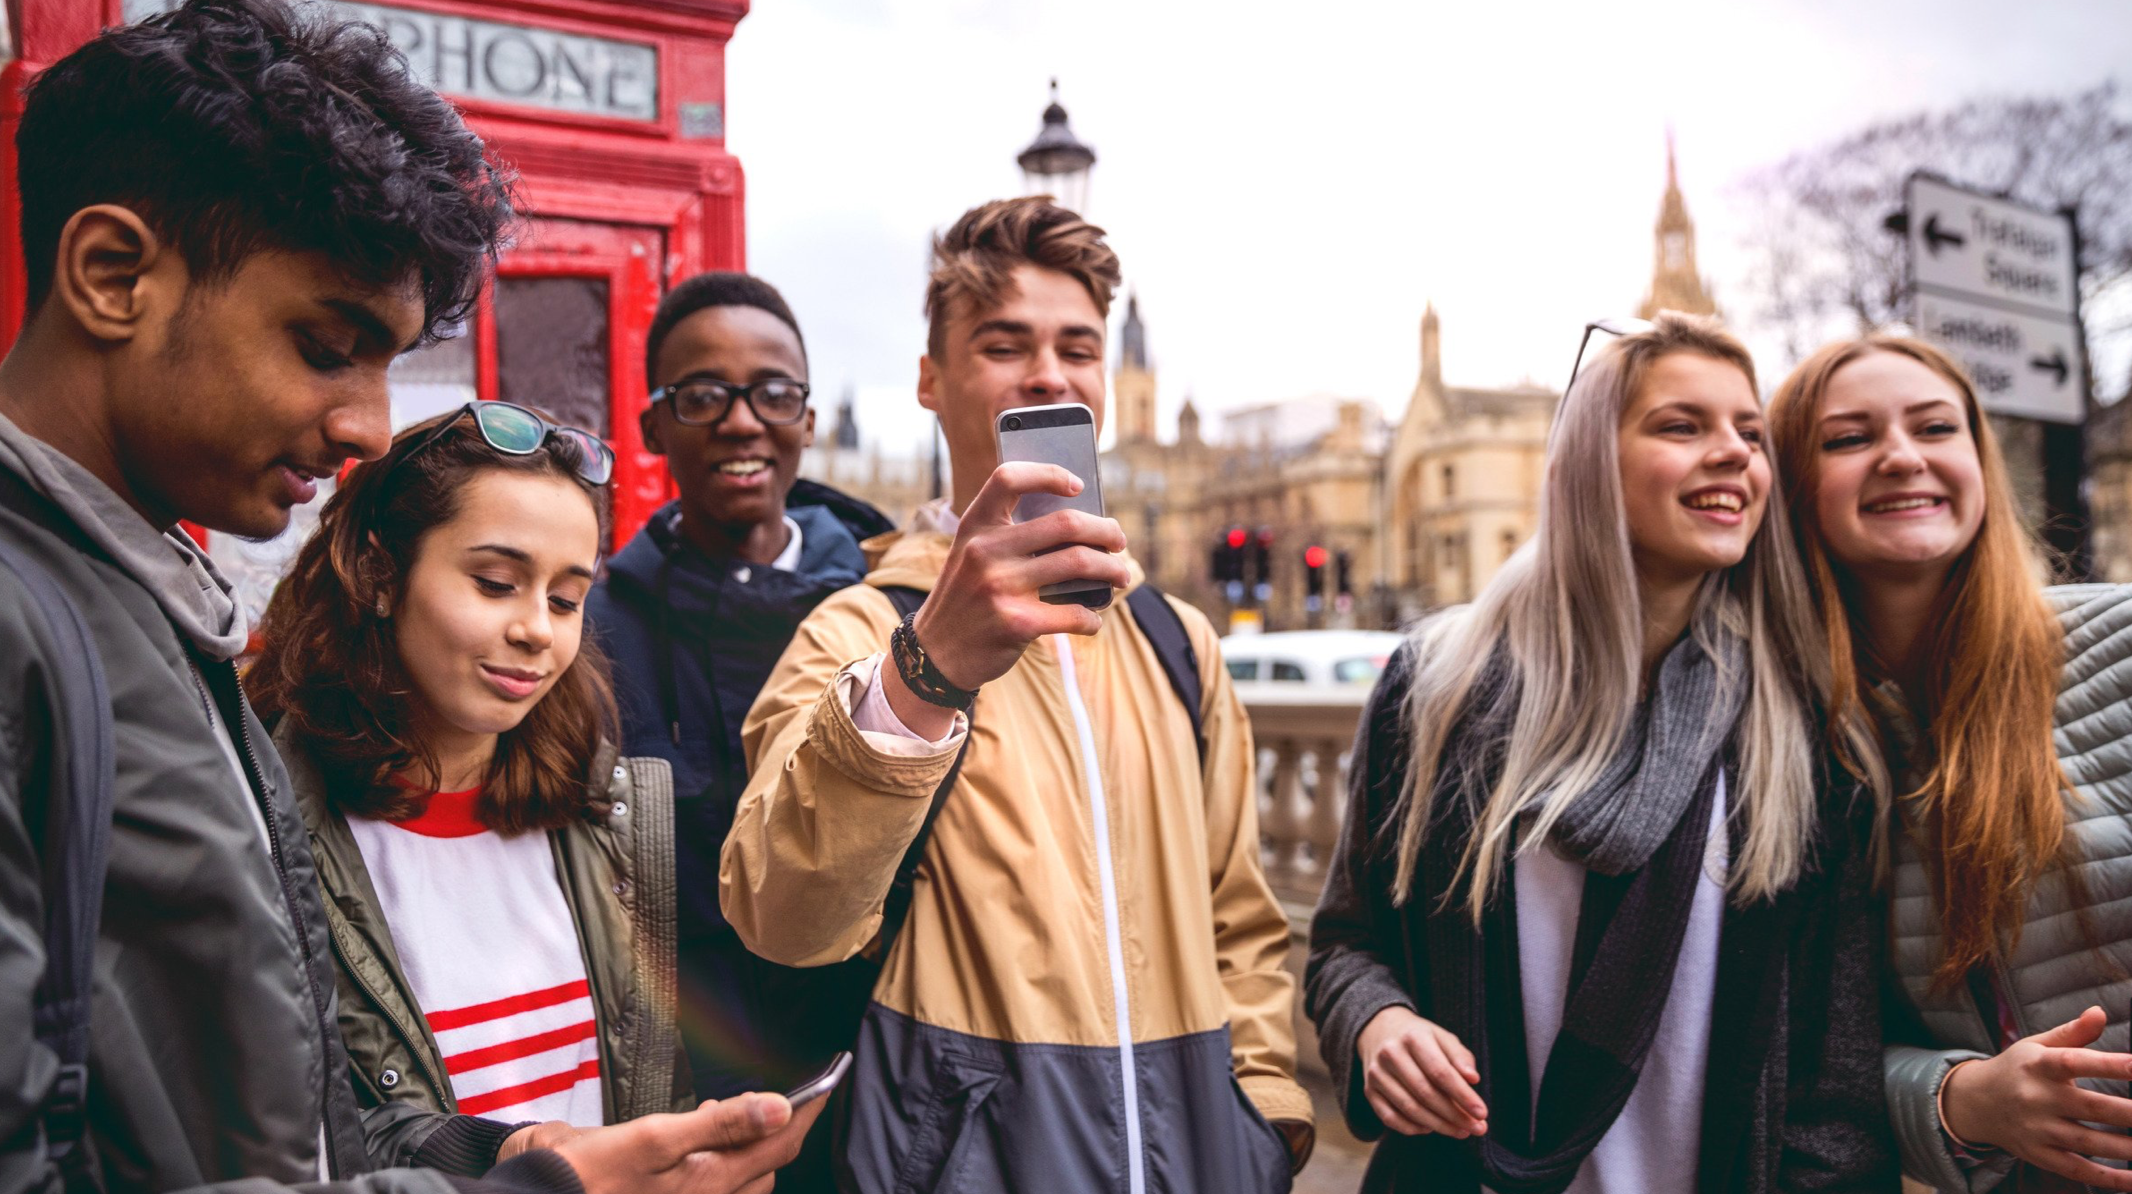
[1057,163]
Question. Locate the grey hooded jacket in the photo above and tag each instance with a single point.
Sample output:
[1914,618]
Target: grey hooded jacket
[2057,970]
[212,1054]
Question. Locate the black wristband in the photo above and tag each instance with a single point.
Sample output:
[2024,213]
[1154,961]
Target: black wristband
[920,676]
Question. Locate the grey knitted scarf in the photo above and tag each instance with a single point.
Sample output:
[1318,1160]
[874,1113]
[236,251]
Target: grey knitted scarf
[1618,824]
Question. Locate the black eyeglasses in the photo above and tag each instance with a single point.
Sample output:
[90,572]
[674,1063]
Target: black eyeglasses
[516,431]
[1617,327]
[777,401]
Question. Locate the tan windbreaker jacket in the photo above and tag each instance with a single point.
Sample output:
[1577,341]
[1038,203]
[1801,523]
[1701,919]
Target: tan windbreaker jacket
[1014,938]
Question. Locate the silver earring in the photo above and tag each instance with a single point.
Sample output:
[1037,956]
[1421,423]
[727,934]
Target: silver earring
[383,610]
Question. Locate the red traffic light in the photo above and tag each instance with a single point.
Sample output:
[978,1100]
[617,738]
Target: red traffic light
[1314,556]
[1236,536]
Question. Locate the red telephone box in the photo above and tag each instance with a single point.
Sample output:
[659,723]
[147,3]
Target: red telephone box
[613,114]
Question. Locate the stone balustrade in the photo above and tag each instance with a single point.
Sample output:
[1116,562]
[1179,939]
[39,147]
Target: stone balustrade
[1303,739]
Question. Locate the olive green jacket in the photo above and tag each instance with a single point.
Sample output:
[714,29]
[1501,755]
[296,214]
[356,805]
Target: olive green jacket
[617,875]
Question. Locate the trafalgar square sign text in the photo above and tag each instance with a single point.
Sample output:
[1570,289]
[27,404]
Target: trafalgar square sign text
[1996,284]
[507,63]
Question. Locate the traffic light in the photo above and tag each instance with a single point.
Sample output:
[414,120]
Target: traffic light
[1313,577]
[1344,573]
[1227,564]
[1228,559]
[1262,565]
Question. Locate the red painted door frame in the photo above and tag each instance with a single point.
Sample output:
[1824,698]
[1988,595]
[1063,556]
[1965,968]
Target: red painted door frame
[627,258]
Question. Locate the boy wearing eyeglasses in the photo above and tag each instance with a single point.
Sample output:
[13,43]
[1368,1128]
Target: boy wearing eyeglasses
[697,608]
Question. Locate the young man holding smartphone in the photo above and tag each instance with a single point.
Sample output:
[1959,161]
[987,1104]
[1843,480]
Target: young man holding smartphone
[1087,991]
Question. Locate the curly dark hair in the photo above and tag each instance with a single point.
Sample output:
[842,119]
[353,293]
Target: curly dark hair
[330,665]
[230,126]
[719,288]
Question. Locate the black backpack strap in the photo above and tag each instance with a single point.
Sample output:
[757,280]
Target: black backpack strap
[1180,664]
[1165,632]
[77,846]
[897,905]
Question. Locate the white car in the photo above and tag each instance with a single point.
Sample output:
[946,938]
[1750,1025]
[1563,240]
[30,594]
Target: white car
[1319,658]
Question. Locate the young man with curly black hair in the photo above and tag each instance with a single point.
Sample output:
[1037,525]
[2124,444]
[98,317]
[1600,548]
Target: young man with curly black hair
[233,219]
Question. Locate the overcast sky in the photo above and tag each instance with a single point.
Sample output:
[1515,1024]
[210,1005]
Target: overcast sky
[1288,184]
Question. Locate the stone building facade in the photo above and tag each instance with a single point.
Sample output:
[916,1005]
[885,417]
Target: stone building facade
[1465,472]
[2109,490]
[895,482]
[1425,511]
[1295,475]
[1416,515]
[1422,512]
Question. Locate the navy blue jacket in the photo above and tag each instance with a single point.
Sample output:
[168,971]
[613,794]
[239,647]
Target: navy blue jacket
[692,640]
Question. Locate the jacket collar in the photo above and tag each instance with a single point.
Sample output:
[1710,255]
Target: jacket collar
[829,556]
[197,599]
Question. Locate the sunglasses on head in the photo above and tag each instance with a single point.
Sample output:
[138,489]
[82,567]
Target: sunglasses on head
[516,431]
[1617,327]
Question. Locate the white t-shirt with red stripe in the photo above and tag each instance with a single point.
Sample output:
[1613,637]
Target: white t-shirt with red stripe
[489,947]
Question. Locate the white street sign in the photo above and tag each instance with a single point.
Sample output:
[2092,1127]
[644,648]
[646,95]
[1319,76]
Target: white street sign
[1993,282]
[1987,247]
[2024,365]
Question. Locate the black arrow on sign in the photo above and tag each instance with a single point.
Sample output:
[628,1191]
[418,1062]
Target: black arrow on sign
[2052,364]
[1934,238]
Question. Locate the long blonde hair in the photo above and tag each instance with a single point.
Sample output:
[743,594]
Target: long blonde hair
[1991,811]
[1567,612]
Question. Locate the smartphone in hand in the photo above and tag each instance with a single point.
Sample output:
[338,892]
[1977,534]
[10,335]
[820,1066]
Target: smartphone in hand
[1063,434]
[821,1084]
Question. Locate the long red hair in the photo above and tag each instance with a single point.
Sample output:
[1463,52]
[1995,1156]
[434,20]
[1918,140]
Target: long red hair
[1989,814]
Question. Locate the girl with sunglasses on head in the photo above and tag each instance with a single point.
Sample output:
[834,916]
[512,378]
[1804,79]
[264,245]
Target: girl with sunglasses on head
[498,883]
[1991,714]
[1592,924]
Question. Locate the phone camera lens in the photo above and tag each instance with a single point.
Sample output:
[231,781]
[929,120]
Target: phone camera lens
[1014,422]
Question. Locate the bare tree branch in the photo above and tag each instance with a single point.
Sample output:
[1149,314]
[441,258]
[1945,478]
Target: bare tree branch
[1824,265]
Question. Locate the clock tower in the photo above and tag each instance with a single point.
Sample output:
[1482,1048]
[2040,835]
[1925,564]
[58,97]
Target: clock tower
[1675,284]
[1133,386]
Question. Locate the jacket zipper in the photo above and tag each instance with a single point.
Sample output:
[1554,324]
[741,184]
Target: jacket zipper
[411,1038]
[595,981]
[1113,932]
[2003,991]
[257,776]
